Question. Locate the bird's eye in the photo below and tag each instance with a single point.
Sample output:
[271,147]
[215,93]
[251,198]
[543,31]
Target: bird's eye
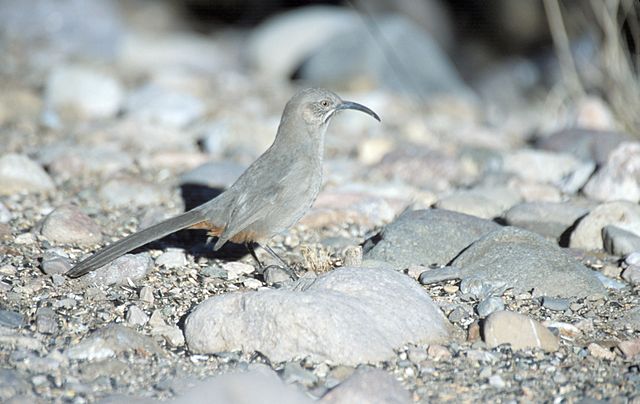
[324,103]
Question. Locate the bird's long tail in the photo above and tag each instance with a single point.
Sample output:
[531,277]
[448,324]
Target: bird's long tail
[136,240]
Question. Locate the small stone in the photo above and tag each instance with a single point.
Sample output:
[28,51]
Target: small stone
[550,219]
[632,259]
[109,341]
[69,225]
[417,355]
[121,270]
[18,173]
[632,274]
[619,242]
[58,280]
[368,386]
[597,351]
[25,238]
[497,382]
[555,303]
[630,348]
[252,283]
[275,275]
[5,214]
[451,289]
[236,269]
[156,319]
[215,272]
[146,294]
[129,193]
[588,232]
[157,105]
[617,179]
[522,332]
[171,333]
[135,316]
[46,321]
[11,319]
[353,256]
[414,271]
[489,305]
[438,352]
[294,373]
[52,263]
[8,270]
[172,259]
[457,315]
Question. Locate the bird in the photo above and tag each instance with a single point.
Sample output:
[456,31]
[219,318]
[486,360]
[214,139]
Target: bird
[269,197]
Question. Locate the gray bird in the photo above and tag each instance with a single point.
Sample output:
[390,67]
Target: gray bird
[268,198]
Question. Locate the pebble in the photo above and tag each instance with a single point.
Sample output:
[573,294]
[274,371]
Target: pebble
[588,232]
[69,225]
[275,275]
[489,305]
[417,355]
[157,105]
[630,348]
[25,239]
[96,94]
[52,263]
[20,174]
[130,193]
[112,340]
[368,385]
[550,219]
[146,294]
[46,321]
[619,242]
[632,274]
[497,381]
[11,319]
[172,258]
[555,303]
[215,272]
[237,269]
[171,333]
[213,174]
[252,283]
[352,256]
[5,214]
[156,319]
[294,373]
[522,332]
[121,270]
[485,202]
[135,316]
[618,178]
[386,318]
[438,352]
[598,351]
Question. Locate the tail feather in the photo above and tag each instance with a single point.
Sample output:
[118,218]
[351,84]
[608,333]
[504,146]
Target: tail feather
[136,240]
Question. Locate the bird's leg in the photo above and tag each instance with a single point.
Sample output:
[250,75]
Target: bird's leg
[252,251]
[283,264]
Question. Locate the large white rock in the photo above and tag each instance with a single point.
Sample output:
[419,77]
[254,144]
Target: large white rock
[348,316]
[588,233]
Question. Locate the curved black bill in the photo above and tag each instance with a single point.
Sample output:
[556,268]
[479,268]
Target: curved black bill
[358,107]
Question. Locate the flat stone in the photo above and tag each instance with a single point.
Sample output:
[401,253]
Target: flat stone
[586,144]
[550,219]
[632,274]
[588,233]
[66,161]
[526,261]
[555,303]
[600,352]
[522,332]
[11,319]
[20,174]
[69,225]
[371,386]
[129,192]
[157,105]
[171,333]
[357,315]
[111,341]
[630,348]
[172,259]
[486,203]
[135,316]
[619,242]
[121,270]
[96,94]
[214,174]
[489,305]
[426,237]
[46,321]
[52,263]
[619,177]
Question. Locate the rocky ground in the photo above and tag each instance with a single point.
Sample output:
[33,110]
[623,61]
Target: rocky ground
[466,249]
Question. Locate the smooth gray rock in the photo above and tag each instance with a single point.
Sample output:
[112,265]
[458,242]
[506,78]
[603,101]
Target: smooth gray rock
[370,386]
[46,321]
[426,237]
[490,305]
[426,69]
[111,341]
[129,192]
[11,319]
[588,233]
[18,173]
[54,263]
[5,213]
[154,104]
[619,178]
[619,242]
[172,258]
[486,202]
[66,161]
[526,261]
[258,385]
[215,174]
[94,93]
[69,225]
[121,270]
[518,330]
[586,144]
[550,219]
[555,303]
[347,316]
